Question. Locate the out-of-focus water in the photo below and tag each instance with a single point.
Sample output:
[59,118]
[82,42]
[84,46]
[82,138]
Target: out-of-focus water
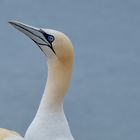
[104,99]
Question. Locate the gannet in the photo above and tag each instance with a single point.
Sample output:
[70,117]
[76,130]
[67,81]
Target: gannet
[50,122]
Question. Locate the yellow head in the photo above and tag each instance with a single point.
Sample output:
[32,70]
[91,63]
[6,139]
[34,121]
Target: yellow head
[54,44]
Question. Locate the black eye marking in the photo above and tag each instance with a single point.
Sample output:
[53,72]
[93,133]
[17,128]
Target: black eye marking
[50,38]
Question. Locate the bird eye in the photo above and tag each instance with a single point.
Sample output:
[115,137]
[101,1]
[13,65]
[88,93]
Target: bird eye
[50,38]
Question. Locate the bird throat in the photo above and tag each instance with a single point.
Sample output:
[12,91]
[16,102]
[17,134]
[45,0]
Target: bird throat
[50,117]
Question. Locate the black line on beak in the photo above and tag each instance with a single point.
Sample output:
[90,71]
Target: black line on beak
[29,31]
[41,31]
[39,46]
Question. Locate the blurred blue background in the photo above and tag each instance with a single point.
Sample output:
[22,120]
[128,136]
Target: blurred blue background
[103,102]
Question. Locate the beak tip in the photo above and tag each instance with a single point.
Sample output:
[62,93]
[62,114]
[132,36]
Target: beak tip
[11,22]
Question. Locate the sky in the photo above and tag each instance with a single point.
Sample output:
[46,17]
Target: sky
[103,102]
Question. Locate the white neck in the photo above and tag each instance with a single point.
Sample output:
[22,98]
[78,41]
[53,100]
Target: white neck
[50,122]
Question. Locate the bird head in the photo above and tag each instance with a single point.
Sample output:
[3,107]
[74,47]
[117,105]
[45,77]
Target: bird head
[54,44]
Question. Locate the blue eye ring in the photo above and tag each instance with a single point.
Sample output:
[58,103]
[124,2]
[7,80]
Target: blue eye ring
[50,38]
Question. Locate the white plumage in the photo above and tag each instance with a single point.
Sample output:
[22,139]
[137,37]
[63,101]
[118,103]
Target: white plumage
[50,122]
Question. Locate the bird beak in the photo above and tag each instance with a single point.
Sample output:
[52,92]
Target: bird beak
[36,34]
